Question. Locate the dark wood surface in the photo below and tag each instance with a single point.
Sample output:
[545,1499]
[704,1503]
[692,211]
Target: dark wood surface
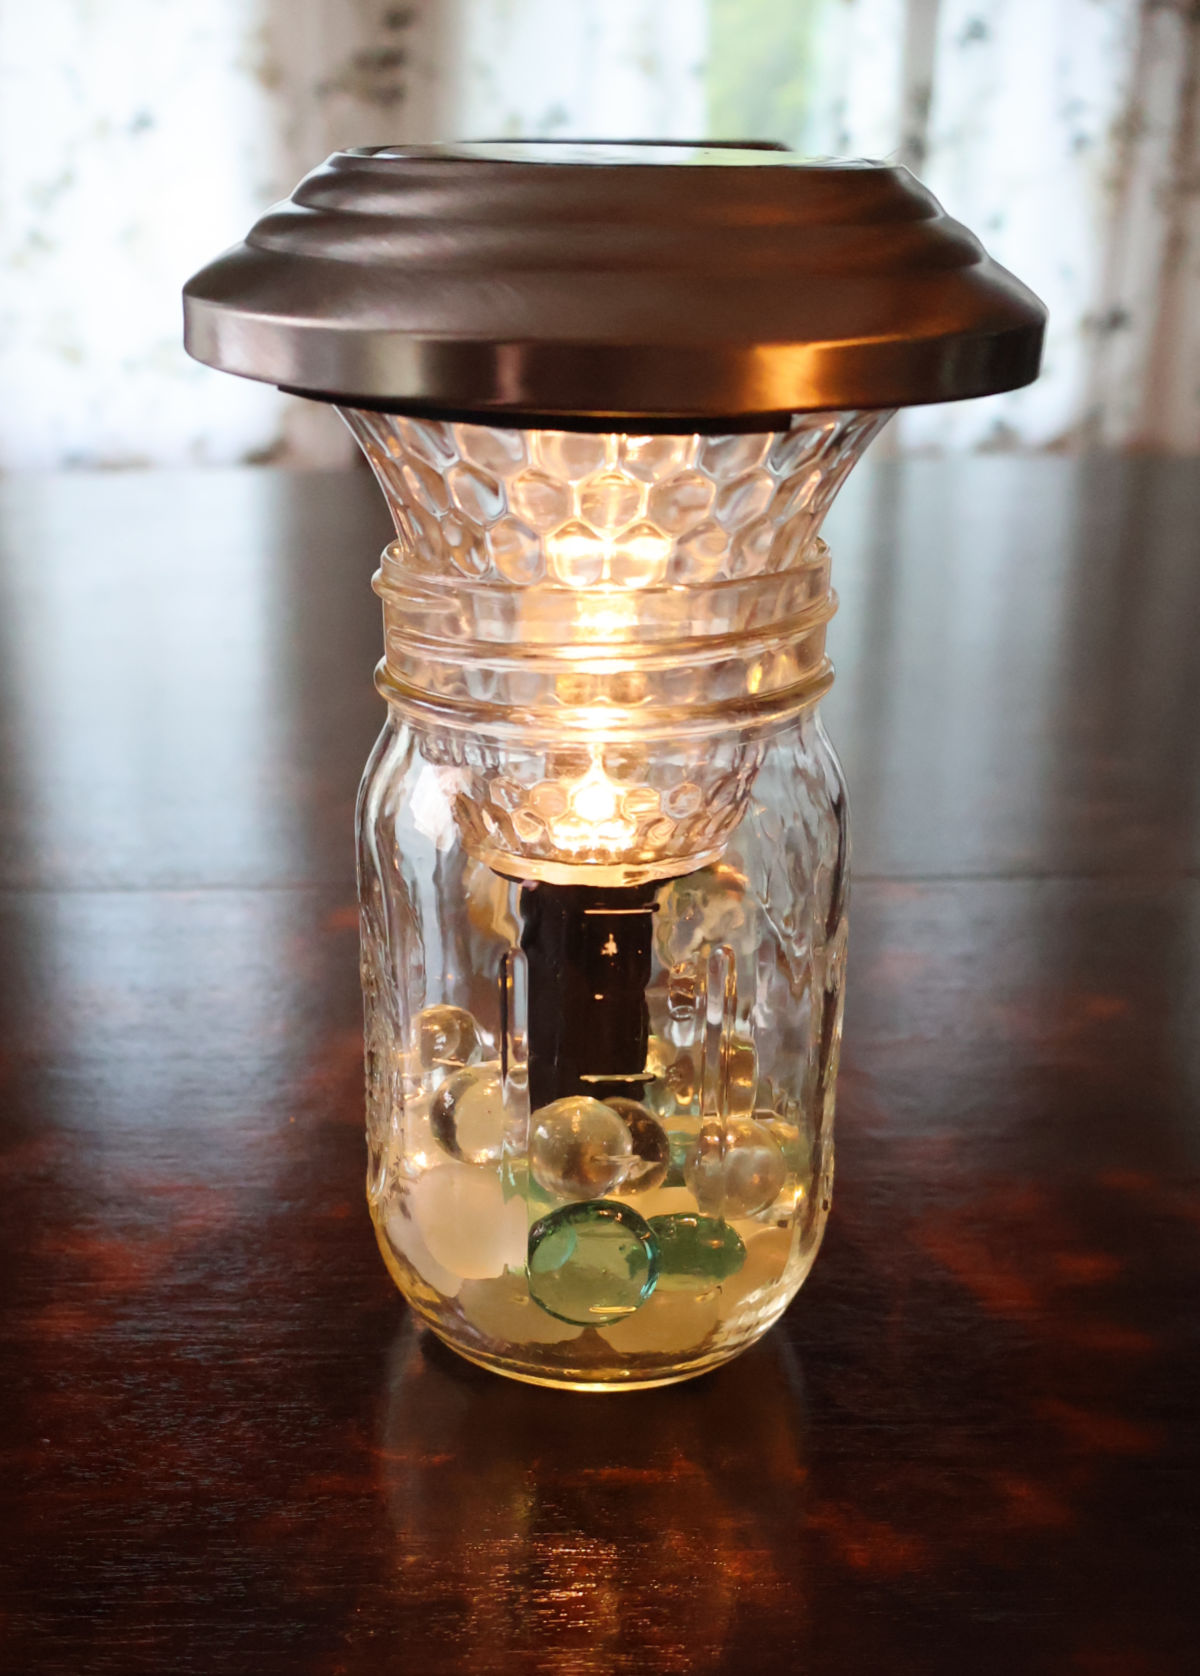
[972,1444]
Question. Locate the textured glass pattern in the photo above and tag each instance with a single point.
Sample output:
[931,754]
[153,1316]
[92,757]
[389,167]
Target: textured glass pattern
[549,806]
[494,1212]
[585,510]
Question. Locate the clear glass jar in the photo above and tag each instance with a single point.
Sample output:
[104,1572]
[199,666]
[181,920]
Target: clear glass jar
[603,872]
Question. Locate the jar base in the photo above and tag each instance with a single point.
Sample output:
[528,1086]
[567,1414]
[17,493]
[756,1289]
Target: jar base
[576,1380]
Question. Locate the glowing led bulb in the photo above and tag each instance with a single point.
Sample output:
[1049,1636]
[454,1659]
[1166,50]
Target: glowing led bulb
[575,556]
[580,557]
[595,797]
[640,558]
[592,819]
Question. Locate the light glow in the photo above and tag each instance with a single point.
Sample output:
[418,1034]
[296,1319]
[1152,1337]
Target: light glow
[580,557]
[592,819]
[605,617]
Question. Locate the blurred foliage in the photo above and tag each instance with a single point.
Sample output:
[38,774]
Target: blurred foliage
[760,68]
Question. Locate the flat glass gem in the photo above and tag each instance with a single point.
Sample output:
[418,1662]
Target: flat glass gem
[467,1114]
[749,1177]
[579,1148]
[446,1036]
[591,1264]
[695,1251]
[651,1152]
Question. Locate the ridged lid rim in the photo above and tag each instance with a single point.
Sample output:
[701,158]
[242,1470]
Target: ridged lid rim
[591,284]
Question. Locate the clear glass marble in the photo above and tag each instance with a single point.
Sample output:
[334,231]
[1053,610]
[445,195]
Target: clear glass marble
[603,873]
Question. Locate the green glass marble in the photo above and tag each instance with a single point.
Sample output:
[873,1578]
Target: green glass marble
[695,1252]
[591,1264]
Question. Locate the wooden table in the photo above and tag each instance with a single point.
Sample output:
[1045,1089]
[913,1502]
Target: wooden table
[972,1444]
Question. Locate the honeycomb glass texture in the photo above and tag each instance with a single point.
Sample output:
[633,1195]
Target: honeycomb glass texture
[585,510]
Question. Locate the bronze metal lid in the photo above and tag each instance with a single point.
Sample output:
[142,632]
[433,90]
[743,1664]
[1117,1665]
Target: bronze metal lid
[613,282]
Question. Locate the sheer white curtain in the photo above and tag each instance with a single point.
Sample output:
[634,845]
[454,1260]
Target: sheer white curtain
[137,137]
[1067,134]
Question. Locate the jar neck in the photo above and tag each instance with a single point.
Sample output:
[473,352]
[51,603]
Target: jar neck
[573,663]
[595,633]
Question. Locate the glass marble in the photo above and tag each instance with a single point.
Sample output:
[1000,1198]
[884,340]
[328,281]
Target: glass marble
[446,1036]
[591,1264]
[695,1252]
[579,1148]
[403,1237]
[467,1114]
[467,1223]
[746,1180]
[647,1168]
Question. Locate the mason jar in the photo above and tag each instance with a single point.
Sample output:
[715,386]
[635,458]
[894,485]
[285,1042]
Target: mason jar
[603,854]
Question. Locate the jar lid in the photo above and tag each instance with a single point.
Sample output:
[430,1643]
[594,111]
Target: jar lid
[594,282]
